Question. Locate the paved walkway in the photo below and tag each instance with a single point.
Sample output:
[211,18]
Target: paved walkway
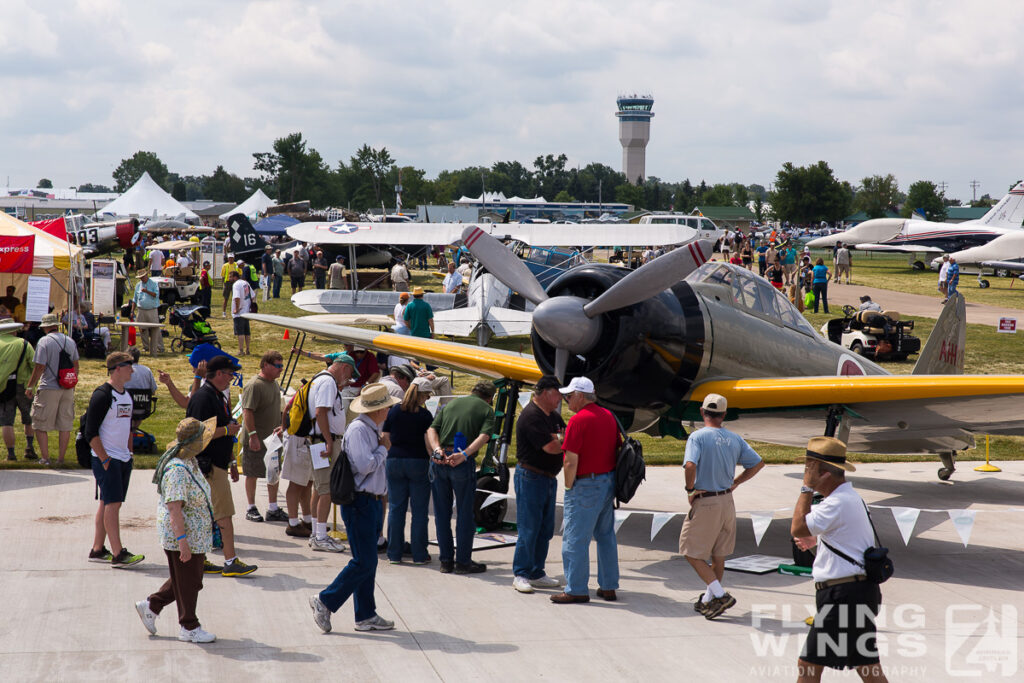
[67,619]
[916,304]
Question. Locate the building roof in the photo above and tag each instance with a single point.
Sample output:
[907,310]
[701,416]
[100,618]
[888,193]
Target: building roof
[725,213]
[861,216]
[965,213]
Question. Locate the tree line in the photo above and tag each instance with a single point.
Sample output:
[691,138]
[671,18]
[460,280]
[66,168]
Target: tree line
[293,170]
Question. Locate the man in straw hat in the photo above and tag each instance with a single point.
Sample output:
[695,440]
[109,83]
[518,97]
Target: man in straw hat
[366,449]
[843,634]
[146,305]
[185,528]
[709,531]
[53,406]
[108,429]
[419,316]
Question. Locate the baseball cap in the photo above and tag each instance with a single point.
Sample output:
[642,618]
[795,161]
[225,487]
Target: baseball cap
[715,403]
[423,384]
[342,357]
[865,298]
[582,384]
[407,371]
[222,363]
[546,382]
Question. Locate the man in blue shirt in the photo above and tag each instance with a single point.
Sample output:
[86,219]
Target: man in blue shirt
[146,302]
[952,278]
[709,532]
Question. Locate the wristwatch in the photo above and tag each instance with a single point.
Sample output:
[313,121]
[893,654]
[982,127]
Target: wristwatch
[806,489]
[691,489]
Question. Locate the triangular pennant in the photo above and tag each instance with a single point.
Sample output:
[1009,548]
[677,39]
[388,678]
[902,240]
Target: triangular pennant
[524,398]
[432,404]
[620,517]
[760,522]
[491,499]
[905,518]
[963,520]
[659,520]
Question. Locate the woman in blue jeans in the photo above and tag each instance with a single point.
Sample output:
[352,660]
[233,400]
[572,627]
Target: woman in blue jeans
[408,465]
[819,285]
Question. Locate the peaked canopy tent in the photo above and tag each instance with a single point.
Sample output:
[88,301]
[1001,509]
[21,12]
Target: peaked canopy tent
[253,206]
[144,199]
[52,258]
[275,225]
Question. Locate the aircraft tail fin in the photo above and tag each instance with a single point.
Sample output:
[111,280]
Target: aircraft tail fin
[1009,212]
[943,354]
[244,238]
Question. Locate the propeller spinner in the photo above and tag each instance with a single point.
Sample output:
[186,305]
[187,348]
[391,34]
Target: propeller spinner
[573,324]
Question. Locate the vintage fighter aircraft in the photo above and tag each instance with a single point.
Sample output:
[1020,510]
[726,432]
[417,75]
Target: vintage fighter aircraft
[914,236]
[656,340]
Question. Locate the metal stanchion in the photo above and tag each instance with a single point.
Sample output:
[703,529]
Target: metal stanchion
[987,467]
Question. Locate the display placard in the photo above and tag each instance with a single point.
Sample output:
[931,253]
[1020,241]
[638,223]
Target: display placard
[103,285]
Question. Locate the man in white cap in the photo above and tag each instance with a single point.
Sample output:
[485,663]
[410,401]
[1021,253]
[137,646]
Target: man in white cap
[709,531]
[843,633]
[590,445]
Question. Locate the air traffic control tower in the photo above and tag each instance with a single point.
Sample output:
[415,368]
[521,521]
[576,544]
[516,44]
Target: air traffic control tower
[634,131]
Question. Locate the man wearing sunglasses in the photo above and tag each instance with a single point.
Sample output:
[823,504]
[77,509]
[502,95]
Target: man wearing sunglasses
[261,417]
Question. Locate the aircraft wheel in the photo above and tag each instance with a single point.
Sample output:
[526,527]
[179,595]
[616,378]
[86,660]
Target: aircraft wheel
[857,348]
[918,265]
[945,473]
[984,284]
[490,517]
[1002,272]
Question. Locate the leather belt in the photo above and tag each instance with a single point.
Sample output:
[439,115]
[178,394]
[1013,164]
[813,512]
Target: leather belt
[536,470]
[375,496]
[592,475]
[709,494]
[821,585]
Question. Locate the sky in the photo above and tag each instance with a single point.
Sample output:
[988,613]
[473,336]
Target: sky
[924,90]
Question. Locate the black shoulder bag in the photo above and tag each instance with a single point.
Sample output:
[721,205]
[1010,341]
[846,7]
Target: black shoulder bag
[877,564]
[343,481]
[630,469]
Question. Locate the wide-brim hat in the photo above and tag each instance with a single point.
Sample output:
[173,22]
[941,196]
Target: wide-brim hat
[830,450]
[193,436]
[417,291]
[49,320]
[373,397]
[142,273]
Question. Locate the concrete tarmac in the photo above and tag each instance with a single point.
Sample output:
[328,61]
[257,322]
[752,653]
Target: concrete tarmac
[917,304]
[950,611]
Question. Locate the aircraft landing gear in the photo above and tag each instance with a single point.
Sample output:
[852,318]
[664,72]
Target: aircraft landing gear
[494,474]
[918,265]
[948,465]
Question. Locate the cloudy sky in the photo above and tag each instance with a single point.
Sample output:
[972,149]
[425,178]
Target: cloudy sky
[920,89]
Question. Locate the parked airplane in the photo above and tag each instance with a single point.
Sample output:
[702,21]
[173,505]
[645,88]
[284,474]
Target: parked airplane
[247,244]
[655,346]
[915,236]
[102,238]
[1003,255]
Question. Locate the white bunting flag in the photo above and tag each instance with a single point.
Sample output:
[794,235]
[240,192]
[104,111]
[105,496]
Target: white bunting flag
[432,404]
[760,522]
[524,398]
[905,518]
[963,520]
[620,517]
[659,520]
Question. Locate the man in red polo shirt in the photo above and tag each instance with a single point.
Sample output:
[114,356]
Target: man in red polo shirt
[590,446]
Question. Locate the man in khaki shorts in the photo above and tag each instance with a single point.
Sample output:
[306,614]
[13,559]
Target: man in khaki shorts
[53,407]
[261,417]
[709,532]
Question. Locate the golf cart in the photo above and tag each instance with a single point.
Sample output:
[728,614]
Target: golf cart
[879,336]
[178,284]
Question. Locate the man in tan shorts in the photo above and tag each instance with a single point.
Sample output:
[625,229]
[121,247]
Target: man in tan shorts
[709,531]
[53,407]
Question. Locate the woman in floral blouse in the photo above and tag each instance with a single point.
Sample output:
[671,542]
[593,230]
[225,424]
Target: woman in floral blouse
[185,521]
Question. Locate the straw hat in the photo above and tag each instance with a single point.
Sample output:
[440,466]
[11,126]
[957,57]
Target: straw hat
[49,320]
[373,397]
[192,441]
[830,450]
[142,273]
[417,291]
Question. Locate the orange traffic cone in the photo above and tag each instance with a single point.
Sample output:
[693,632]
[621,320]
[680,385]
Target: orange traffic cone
[286,337]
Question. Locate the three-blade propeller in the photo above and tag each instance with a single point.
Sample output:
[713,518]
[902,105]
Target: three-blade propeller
[572,324]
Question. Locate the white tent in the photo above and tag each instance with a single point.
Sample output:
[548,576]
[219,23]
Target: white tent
[254,205]
[143,199]
[52,258]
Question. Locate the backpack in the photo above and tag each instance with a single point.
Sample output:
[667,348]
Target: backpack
[12,381]
[67,376]
[343,482]
[630,469]
[299,421]
[83,451]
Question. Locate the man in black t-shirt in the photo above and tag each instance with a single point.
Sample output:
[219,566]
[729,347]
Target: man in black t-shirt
[539,453]
[215,460]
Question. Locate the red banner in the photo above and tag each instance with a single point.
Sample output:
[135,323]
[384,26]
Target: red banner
[17,253]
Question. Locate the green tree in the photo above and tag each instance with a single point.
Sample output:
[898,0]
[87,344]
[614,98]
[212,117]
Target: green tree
[44,184]
[179,191]
[374,164]
[877,195]
[132,168]
[809,194]
[225,187]
[718,195]
[985,200]
[550,174]
[297,172]
[563,197]
[630,194]
[511,178]
[89,187]
[759,208]
[924,195]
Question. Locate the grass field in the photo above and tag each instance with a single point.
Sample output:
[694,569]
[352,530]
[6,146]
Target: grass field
[987,353]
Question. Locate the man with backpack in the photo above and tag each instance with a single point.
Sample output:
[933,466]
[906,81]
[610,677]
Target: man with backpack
[56,372]
[108,431]
[242,298]
[709,531]
[16,362]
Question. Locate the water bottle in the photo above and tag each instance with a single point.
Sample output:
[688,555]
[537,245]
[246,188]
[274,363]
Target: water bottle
[459,443]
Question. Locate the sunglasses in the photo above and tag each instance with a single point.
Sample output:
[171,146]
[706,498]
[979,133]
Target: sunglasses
[278,365]
[121,365]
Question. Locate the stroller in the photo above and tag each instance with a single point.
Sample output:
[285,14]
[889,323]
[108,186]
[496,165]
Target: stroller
[191,321]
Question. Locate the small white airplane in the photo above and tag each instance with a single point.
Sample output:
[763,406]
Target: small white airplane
[915,236]
[1003,255]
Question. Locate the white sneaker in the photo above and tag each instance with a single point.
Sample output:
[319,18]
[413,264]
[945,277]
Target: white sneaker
[196,635]
[341,547]
[545,582]
[321,615]
[325,546]
[522,584]
[147,615]
[375,623]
